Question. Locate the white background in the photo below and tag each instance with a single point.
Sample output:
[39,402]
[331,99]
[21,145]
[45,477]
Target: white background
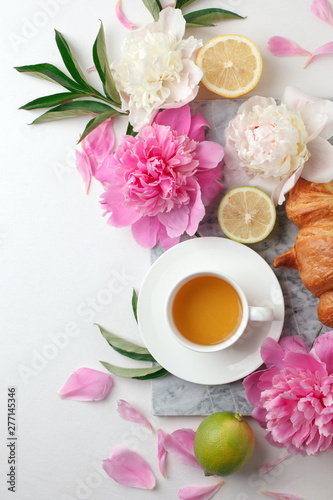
[59,259]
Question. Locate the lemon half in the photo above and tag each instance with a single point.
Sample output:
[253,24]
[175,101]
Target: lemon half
[246,214]
[231,65]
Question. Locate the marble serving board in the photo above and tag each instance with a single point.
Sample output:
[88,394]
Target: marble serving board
[174,396]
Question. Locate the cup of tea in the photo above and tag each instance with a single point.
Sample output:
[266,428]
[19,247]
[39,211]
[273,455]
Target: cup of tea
[208,311]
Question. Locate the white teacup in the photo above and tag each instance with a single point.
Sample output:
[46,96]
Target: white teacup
[208,311]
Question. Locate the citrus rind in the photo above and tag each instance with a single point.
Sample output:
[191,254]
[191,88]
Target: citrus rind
[234,75]
[246,214]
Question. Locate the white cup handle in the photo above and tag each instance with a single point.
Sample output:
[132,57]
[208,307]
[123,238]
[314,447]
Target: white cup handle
[261,313]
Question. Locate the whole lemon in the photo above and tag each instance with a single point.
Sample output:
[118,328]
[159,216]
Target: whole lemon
[223,443]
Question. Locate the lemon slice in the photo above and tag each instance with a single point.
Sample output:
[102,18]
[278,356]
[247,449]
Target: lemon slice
[246,214]
[231,65]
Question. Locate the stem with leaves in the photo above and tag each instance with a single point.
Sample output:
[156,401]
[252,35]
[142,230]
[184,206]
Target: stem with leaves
[81,98]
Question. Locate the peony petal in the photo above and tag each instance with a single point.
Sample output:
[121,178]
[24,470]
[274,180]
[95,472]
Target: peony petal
[322,10]
[279,192]
[176,221]
[177,119]
[165,240]
[269,466]
[127,412]
[323,348]
[161,451]
[294,343]
[121,18]
[304,362]
[86,384]
[84,168]
[272,353]
[100,142]
[199,492]
[209,155]
[319,167]
[93,150]
[280,46]
[252,390]
[259,414]
[172,21]
[146,231]
[197,128]
[181,444]
[309,107]
[280,496]
[211,185]
[256,101]
[324,49]
[129,469]
[197,211]
[120,215]
[272,441]
[105,171]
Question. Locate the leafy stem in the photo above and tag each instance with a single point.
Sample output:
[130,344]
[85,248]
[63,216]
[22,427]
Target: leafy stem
[70,104]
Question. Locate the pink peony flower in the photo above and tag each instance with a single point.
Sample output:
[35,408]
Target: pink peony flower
[293,397]
[160,180]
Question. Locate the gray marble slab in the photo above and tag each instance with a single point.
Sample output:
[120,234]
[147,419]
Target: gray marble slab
[174,396]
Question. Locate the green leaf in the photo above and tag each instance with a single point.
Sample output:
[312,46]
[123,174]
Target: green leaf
[71,109]
[51,73]
[207,15]
[95,122]
[52,100]
[182,3]
[70,61]
[103,68]
[198,24]
[138,373]
[126,348]
[130,130]
[154,7]
[135,305]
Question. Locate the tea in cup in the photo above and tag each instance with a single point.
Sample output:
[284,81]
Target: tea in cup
[209,311]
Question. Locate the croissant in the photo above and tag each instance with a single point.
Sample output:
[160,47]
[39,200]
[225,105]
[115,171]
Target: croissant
[310,207]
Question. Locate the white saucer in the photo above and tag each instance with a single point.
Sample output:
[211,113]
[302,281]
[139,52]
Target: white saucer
[248,269]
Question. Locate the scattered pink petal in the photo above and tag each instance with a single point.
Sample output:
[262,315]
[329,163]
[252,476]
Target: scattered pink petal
[129,469]
[127,412]
[161,451]
[86,384]
[199,492]
[181,444]
[93,150]
[269,466]
[324,49]
[280,46]
[322,10]
[280,496]
[121,18]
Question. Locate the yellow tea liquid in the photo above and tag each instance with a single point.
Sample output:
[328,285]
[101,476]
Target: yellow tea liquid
[207,310]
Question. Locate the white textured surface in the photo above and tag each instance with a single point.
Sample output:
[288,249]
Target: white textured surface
[59,259]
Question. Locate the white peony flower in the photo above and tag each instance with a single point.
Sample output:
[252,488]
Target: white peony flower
[270,146]
[157,68]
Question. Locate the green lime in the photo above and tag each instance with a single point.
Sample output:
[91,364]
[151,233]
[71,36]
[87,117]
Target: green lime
[223,443]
